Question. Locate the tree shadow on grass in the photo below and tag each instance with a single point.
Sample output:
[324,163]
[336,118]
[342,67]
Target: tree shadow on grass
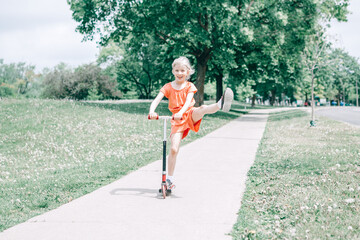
[287,115]
[142,108]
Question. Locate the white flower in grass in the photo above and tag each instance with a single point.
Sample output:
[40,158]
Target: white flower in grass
[350,200]
[350,228]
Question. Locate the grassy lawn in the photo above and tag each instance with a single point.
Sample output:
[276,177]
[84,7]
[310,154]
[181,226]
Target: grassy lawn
[52,152]
[305,182]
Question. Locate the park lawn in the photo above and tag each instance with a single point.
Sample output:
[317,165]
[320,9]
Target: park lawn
[52,152]
[304,183]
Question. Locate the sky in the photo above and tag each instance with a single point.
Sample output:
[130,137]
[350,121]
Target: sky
[346,35]
[42,33]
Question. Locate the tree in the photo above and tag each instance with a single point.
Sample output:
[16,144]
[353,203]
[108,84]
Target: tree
[315,57]
[257,34]
[88,76]
[195,28]
[56,82]
[136,65]
[344,74]
[142,67]
[16,78]
[276,36]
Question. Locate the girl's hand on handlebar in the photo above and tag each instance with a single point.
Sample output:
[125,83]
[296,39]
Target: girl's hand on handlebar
[177,116]
[153,116]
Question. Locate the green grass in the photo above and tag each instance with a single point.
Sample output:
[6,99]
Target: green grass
[238,106]
[305,182]
[52,152]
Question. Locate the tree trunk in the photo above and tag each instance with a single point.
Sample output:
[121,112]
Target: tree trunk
[253,100]
[273,97]
[357,94]
[219,86]
[201,67]
[312,122]
[312,101]
[344,95]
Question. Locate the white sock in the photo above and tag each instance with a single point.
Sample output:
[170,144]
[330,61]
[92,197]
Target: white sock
[171,178]
[219,103]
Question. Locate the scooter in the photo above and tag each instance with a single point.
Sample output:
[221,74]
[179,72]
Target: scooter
[164,190]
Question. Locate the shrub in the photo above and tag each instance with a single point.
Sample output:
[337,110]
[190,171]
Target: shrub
[7,90]
[85,82]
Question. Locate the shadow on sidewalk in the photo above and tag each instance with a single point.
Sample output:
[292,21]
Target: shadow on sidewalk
[141,192]
[248,118]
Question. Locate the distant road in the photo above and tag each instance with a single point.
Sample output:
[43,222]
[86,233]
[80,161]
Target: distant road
[344,114]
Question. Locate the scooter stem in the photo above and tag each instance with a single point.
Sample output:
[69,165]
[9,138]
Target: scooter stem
[164,153]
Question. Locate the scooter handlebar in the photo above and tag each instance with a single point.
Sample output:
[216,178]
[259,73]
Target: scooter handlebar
[162,117]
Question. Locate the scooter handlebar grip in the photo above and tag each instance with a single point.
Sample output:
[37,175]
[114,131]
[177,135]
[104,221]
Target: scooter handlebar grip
[174,118]
[157,117]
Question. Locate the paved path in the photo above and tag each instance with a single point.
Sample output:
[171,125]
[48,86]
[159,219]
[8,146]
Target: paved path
[210,179]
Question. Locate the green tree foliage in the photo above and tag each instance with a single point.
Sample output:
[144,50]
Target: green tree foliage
[57,82]
[279,34]
[6,90]
[200,29]
[17,78]
[93,93]
[334,75]
[136,65]
[85,82]
[259,41]
[340,75]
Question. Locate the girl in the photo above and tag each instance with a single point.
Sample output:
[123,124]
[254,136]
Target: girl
[186,117]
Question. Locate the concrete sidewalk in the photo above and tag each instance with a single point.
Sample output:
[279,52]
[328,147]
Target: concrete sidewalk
[210,179]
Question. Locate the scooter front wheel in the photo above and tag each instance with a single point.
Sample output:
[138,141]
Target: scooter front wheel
[163,190]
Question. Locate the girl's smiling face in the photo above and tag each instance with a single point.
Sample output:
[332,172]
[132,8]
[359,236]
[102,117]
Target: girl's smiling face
[180,72]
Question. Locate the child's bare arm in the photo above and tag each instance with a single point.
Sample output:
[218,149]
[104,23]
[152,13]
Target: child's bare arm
[189,98]
[154,105]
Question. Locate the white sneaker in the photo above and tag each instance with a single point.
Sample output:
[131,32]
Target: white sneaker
[170,185]
[226,100]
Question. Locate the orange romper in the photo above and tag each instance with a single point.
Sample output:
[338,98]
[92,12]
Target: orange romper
[177,99]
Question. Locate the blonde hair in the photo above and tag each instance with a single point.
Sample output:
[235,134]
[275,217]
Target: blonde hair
[185,62]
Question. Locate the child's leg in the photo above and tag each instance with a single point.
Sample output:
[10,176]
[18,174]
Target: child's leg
[224,104]
[199,112]
[174,149]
